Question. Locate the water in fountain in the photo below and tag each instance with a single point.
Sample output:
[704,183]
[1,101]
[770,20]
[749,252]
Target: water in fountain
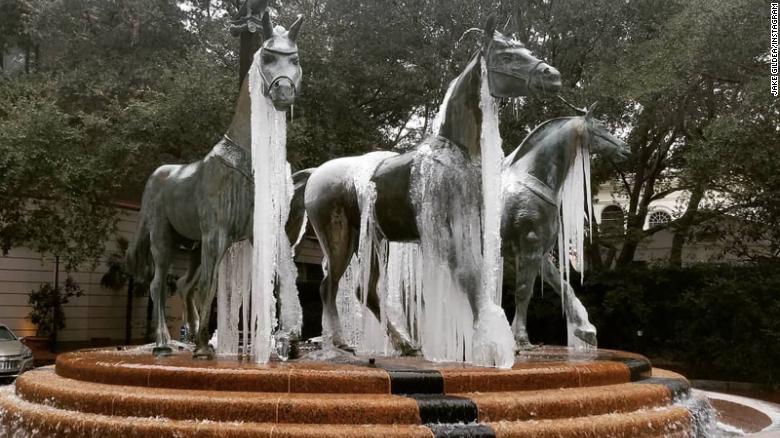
[272,258]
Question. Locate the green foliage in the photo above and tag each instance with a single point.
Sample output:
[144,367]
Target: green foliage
[719,321]
[47,301]
[116,276]
[118,88]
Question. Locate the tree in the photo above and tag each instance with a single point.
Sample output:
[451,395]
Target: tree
[118,89]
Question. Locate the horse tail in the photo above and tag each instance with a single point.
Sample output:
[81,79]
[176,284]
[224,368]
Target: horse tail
[296,222]
[139,252]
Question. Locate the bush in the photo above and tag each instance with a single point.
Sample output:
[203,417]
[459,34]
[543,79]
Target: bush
[718,322]
[46,302]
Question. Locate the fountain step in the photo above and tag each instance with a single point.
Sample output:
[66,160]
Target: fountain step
[549,392]
[45,387]
[542,369]
[18,418]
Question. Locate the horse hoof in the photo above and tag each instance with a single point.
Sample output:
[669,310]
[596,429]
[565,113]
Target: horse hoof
[410,351]
[204,353]
[586,336]
[525,345]
[347,349]
[162,351]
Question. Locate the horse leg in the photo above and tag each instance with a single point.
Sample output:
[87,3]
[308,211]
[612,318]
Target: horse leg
[576,313]
[492,344]
[186,286]
[526,270]
[213,248]
[161,247]
[339,245]
[400,337]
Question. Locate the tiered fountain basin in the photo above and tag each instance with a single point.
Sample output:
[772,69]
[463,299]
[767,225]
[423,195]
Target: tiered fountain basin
[550,392]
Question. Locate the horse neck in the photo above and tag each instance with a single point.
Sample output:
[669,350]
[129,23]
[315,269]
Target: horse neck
[240,130]
[462,123]
[554,154]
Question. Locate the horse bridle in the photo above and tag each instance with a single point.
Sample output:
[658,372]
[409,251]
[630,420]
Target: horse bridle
[270,84]
[509,72]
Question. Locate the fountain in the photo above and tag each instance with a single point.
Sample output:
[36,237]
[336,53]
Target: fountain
[413,246]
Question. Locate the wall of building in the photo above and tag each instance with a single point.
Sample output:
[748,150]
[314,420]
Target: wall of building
[99,313]
[657,248]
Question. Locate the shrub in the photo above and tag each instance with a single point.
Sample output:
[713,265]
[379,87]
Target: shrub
[47,301]
[717,321]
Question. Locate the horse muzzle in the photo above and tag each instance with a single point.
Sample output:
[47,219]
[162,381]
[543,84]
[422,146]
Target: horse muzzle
[546,79]
[282,93]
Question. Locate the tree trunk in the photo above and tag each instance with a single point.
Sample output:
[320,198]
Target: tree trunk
[593,247]
[633,237]
[129,313]
[683,226]
[55,321]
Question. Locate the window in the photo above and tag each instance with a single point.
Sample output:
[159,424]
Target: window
[612,222]
[6,335]
[658,218]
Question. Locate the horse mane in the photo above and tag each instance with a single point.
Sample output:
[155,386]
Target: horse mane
[540,129]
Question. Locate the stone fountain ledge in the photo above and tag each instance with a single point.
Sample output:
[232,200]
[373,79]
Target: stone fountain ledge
[548,392]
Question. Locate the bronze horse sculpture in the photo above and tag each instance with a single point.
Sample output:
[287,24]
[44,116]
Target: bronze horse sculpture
[533,178]
[208,205]
[332,200]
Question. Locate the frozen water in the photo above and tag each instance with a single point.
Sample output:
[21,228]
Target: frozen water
[272,258]
[492,200]
[575,201]
[233,284]
[575,209]
[360,328]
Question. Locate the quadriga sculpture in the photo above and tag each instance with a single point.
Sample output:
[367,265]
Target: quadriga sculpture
[333,201]
[534,178]
[208,205]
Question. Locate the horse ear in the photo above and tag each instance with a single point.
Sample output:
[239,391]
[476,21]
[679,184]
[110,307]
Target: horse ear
[295,28]
[268,27]
[591,109]
[490,31]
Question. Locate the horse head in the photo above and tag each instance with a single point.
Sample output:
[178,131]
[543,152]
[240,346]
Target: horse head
[513,71]
[602,141]
[278,63]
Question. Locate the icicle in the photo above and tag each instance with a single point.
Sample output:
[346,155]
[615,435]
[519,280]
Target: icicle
[493,340]
[359,326]
[575,209]
[233,284]
[273,265]
[492,201]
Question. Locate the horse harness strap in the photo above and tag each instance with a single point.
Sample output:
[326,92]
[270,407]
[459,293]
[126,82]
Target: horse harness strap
[538,187]
[235,157]
[508,72]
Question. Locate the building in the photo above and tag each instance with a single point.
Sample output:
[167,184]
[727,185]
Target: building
[609,209]
[99,316]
